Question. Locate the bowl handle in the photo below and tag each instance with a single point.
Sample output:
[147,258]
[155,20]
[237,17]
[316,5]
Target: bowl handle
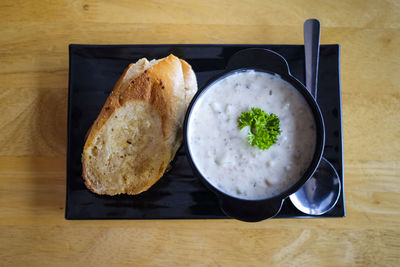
[250,211]
[258,58]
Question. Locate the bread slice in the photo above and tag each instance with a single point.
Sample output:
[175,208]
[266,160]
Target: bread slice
[139,128]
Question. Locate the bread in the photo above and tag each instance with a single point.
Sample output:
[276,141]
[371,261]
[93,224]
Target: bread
[139,128]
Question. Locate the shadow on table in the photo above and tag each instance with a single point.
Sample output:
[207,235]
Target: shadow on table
[48,140]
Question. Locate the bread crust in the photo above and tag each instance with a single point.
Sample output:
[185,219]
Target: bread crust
[163,86]
[190,82]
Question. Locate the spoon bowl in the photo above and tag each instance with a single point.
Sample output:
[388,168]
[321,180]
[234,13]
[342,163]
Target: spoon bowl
[320,193]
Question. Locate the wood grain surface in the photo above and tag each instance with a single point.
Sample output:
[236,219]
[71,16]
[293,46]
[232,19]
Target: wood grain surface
[34,38]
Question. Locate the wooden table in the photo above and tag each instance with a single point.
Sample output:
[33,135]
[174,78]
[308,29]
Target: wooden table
[33,97]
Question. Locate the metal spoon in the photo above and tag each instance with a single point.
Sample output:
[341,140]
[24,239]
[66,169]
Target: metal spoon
[321,192]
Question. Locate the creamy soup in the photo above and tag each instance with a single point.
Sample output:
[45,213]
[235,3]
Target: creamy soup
[221,151]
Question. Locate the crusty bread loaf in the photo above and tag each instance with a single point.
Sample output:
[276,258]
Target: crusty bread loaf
[139,128]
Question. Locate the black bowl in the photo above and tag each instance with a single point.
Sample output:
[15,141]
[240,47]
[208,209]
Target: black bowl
[273,63]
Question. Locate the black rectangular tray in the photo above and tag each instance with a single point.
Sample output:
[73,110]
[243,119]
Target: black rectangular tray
[94,69]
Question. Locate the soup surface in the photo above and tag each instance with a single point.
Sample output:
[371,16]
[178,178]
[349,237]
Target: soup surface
[221,151]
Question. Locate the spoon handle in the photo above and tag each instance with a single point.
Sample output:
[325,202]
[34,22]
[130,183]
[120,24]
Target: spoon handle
[312,31]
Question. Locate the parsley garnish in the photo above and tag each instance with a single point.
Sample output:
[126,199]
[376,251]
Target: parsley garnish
[264,128]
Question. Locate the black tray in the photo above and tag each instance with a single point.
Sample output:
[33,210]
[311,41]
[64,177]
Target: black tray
[94,69]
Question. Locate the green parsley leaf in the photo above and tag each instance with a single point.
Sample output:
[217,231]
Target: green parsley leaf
[264,128]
